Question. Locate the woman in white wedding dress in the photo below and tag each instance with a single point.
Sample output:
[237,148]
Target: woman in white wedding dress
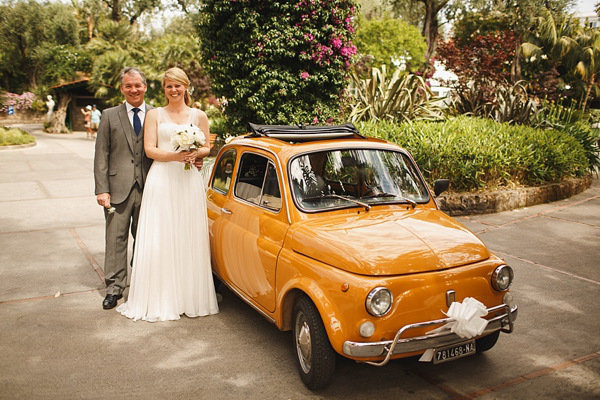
[171,273]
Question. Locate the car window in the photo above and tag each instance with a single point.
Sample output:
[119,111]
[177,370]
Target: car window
[224,171]
[257,181]
[341,178]
[251,177]
[271,197]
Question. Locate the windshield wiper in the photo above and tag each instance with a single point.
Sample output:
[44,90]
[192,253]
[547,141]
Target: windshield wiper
[337,196]
[385,194]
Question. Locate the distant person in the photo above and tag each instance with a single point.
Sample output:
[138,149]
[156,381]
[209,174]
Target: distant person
[95,122]
[120,169]
[87,115]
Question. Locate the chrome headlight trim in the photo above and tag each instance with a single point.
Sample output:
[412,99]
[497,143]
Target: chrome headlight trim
[502,278]
[374,298]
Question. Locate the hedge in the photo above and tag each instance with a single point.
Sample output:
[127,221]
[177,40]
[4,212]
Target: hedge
[481,154]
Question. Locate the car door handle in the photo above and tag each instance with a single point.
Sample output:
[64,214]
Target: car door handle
[226,210]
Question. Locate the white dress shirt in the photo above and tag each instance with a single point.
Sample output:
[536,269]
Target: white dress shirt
[141,113]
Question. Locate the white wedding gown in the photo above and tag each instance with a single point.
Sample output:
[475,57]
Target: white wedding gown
[171,273]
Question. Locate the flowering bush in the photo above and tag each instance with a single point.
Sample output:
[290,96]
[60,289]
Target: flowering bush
[19,102]
[279,62]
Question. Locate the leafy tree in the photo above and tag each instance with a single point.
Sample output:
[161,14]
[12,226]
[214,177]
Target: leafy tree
[391,41]
[474,23]
[131,10]
[522,16]
[424,13]
[121,44]
[89,14]
[61,62]
[589,61]
[548,48]
[24,27]
[282,62]
[485,60]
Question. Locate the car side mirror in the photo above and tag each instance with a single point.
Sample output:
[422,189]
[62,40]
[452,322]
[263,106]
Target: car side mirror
[440,186]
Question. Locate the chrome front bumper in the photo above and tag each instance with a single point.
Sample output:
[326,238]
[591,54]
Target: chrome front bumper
[502,322]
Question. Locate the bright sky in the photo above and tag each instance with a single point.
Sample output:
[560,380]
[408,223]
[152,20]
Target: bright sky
[586,5]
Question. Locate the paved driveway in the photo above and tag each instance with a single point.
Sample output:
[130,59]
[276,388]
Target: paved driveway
[57,341]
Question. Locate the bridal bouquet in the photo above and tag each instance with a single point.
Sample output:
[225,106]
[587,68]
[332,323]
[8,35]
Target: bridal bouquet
[190,138]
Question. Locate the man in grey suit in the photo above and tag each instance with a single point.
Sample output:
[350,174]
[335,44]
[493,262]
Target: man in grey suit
[120,169]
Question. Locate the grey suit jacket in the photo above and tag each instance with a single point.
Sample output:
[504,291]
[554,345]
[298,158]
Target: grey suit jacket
[115,159]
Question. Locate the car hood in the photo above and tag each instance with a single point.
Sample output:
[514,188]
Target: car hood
[388,242]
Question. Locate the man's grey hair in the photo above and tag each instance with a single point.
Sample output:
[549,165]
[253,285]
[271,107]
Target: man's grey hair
[132,70]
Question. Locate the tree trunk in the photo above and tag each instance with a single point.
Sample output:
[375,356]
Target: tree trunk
[515,69]
[59,116]
[430,24]
[116,11]
[430,29]
[590,84]
[90,22]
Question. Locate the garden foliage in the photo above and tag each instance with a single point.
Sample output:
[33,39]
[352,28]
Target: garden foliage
[392,42]
[14,136]
[23,101]
[481,154]
[278,62]
[399,97]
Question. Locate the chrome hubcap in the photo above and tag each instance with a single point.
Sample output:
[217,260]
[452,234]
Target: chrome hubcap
[303,344]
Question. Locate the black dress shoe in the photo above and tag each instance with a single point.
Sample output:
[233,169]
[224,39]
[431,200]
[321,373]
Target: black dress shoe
[110,301]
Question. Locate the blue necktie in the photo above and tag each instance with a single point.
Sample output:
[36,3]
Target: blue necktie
[137,124]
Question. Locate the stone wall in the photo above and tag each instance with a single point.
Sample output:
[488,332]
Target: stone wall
[23,117]
[505,200]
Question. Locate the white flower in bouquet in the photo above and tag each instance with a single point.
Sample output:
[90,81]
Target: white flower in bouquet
[190,138]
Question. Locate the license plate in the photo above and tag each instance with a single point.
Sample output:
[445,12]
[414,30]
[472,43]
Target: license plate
[450,353]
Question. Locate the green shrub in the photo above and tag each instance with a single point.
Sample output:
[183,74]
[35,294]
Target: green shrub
[588,138]
[218,127]
[399,97]
[509,104]
[575,123]
[555,116]
[477,154]
[278,62]
[13,136]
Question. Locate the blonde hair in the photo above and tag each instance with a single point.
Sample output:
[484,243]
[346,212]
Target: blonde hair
[178,75]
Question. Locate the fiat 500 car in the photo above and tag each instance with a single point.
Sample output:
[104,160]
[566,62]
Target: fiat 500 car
[337,237]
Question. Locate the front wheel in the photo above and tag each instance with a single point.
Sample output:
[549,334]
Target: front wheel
[487,342]
[314,356]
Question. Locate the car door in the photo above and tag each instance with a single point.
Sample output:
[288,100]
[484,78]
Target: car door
[217,193]
[250,229]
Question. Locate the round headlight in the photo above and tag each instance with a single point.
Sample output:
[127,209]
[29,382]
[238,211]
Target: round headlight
[379,301]
[502,278]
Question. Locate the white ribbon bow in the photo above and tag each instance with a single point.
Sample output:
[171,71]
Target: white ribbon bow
[468,322]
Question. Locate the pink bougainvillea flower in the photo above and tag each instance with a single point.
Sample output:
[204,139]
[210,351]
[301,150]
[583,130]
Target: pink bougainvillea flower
[304,75]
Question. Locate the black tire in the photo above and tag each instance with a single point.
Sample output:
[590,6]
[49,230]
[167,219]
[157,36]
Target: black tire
[487,342]
[315,357]
[216,282]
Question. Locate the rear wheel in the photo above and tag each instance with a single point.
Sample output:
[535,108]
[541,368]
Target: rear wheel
[314,356]
[487,342]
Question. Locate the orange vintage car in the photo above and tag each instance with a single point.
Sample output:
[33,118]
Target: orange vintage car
[338,238]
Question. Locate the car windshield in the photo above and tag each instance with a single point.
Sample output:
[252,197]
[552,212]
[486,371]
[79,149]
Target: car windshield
[355,178]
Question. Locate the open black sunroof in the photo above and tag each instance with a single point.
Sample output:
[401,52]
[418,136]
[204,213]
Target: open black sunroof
[303,133]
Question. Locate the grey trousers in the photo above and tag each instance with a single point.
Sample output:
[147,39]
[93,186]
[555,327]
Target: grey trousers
[118,225]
